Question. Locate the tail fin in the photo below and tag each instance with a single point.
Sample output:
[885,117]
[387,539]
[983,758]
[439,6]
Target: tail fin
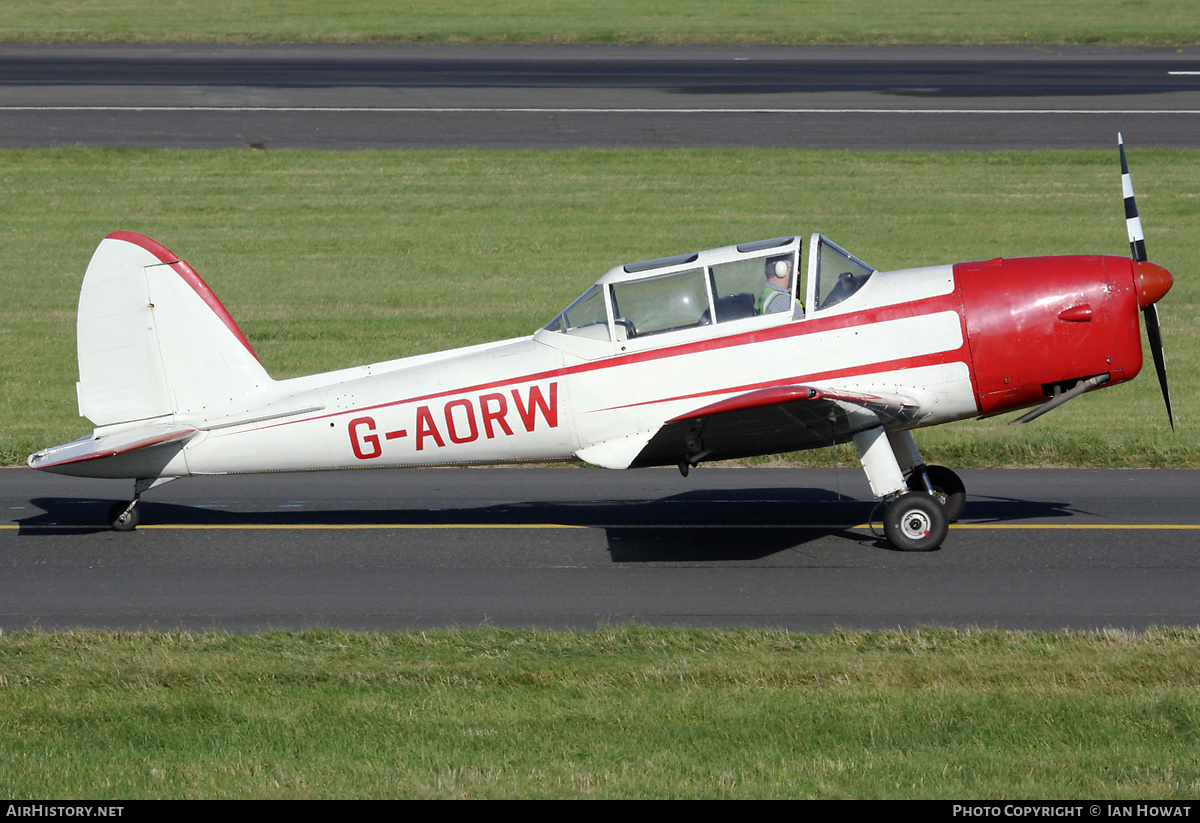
[154,340]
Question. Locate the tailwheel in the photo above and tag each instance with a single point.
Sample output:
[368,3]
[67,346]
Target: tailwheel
[946,486]
[124,517]
[915,522]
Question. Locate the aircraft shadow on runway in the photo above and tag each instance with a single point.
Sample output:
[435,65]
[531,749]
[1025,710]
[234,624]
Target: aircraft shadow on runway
[703,525]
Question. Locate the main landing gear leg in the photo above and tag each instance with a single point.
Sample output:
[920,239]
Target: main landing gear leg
[913,520]
[946,486]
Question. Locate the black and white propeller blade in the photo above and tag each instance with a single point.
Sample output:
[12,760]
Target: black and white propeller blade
[1133,223]
[1150,313]
[1137,247]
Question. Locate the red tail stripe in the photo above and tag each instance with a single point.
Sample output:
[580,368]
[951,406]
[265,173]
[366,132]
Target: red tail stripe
[190,277]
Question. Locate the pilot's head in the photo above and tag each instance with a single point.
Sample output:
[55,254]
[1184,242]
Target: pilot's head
[779,271]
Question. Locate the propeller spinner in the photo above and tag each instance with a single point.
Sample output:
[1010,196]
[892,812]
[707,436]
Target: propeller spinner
[1153,280]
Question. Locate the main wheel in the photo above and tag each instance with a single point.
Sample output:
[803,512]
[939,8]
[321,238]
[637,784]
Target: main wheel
[948,489]
[915,522]
[123,517]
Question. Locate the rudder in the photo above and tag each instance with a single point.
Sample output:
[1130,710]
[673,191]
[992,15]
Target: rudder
[154,340]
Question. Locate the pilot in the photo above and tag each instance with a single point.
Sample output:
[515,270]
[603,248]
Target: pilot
[776,294]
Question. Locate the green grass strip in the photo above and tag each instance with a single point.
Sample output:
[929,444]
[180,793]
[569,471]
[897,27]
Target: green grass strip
[1125,22]
[331,259]
[621,712]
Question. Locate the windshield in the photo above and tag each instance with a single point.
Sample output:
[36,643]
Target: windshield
[586,317]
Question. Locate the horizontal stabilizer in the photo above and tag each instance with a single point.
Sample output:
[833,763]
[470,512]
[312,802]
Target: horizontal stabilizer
[109,444]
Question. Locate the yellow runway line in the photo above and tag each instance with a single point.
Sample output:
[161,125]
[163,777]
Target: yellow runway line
[1128,526]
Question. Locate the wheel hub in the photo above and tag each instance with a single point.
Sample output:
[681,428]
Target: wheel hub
[915,525]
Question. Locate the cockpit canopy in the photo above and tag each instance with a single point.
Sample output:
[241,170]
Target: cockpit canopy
[834,273]
[724,285]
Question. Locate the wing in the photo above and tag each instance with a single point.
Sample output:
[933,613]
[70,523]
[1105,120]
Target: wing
[768,421]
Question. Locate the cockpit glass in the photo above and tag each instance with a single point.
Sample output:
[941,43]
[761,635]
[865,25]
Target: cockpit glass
[739,287]
[660,304]
[586,317]
[839,274]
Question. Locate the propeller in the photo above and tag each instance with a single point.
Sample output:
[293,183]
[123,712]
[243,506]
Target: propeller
[1154,280]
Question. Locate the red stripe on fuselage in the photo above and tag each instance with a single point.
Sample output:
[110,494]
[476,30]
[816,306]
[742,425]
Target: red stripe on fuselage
[949,302]
[959,355]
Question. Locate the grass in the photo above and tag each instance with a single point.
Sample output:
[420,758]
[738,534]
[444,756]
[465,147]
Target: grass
[620,712]
[1126,22]
[331,259]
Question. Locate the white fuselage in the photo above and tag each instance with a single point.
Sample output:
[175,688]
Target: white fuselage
[550,396]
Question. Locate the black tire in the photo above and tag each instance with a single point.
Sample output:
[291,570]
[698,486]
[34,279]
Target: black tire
[948,489]
[915,522]
[122,518]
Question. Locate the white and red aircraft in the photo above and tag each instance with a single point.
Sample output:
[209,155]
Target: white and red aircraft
[667,362]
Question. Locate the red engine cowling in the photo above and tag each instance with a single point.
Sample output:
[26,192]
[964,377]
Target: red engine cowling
[1036,326]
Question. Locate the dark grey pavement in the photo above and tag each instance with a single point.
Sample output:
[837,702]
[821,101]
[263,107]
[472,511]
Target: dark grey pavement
[355,97]
[566,547]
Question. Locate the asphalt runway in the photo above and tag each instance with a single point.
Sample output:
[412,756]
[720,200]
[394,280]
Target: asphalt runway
[580,548]
[376,97]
